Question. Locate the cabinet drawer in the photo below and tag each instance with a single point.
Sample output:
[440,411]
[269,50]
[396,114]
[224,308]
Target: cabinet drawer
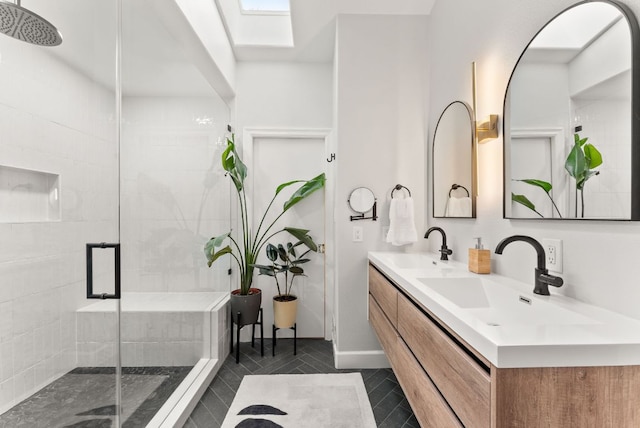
[464,383]
[385,294]
[383,328]
[428,405]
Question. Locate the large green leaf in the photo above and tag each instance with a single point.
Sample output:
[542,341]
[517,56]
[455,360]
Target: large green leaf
[302,236]
[232,163]
[287,184]
[544,185]
[592,156]
[212,257]
[523,200]
[576,164]
[266,270]
[272,252]
[579,141]
[210,248]
[282,252]
[305,190]
[296,270]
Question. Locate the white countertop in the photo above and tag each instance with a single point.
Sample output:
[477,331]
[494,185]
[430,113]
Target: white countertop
[487,312]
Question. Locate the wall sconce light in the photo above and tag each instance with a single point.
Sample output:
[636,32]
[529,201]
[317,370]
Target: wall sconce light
[488,129]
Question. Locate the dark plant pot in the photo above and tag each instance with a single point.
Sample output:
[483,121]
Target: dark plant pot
[248,305]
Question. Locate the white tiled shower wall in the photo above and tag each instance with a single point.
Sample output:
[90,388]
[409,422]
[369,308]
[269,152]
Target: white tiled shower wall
[42,263]
[171,203]
[174,193]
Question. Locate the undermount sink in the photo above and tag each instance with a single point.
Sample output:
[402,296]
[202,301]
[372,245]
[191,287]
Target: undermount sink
[494,304]
[505,321]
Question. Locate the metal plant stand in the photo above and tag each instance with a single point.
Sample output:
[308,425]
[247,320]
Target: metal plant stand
[295,338]
[239,326]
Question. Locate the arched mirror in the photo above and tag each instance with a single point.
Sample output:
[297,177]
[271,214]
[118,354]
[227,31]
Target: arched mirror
[454,163]
[571,118]
[362,200]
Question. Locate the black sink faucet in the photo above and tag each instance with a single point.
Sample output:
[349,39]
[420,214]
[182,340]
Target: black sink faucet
[543,279]
[444,251]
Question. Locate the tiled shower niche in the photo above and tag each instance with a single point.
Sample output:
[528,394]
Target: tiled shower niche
[28,195]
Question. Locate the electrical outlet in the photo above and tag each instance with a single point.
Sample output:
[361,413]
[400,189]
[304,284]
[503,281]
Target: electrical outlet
[357,234]
[553,253]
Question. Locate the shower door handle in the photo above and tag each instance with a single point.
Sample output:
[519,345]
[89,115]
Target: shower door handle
[103,296]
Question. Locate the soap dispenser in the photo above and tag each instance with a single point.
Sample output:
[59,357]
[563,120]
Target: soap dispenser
[479,258]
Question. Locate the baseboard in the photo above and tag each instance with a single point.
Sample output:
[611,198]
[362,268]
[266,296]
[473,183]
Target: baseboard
[360,359]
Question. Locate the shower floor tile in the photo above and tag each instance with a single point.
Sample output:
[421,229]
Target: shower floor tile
[85,397]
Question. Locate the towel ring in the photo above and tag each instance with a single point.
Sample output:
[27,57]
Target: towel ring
[399,187]
[456,187]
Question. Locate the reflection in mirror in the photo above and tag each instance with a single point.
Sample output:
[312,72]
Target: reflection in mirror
[453,163]
[570,141]
[361,200]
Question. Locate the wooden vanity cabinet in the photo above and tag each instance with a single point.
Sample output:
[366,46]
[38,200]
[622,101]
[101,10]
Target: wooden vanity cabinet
[449,384]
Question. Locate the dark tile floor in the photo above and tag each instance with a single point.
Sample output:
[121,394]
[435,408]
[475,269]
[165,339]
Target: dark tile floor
[85,397]
[390,407]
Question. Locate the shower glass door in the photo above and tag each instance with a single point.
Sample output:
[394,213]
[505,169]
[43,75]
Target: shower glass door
[59,190]
[92,156]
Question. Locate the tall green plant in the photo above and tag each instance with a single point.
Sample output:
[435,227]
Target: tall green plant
[246,248]
[580,164]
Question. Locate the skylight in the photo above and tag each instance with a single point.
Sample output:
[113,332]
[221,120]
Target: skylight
[257,6]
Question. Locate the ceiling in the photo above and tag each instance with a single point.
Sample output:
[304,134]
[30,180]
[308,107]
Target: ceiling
[156,63]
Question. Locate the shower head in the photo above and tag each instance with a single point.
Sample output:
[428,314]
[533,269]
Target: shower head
[22,24]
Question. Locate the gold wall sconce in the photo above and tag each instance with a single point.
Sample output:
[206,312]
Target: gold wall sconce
[488,129]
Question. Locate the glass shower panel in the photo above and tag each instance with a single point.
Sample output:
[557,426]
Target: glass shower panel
[59,148]
[173,199]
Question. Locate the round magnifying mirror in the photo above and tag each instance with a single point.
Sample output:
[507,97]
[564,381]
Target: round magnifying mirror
[361,200]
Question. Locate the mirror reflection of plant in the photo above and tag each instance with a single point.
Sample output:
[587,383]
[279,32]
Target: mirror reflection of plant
[580,164]
[523,200]
[284,261]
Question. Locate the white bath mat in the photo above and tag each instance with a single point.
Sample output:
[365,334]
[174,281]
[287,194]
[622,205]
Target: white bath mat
[293,401]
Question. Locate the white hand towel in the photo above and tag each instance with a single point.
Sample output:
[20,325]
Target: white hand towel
[458,207]
[402,229]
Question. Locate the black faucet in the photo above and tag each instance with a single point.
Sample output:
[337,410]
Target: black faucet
[444,251]
[542,279]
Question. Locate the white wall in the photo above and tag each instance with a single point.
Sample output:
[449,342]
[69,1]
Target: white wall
[600,258]
[174,193]
[286,96]
[283,95]
[55,120]
[381,141]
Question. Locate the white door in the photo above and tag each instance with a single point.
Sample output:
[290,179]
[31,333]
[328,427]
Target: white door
[276,160]
[531,159]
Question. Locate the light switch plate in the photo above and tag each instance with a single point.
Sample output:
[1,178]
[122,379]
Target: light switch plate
[357,234]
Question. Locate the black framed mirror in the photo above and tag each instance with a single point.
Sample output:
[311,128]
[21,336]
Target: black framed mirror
[453,163]
[572,118]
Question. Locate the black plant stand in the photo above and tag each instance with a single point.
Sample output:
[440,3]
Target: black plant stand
[295,338]
[253,334]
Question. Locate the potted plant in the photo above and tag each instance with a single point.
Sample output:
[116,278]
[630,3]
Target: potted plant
[245,248]
[285,261]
